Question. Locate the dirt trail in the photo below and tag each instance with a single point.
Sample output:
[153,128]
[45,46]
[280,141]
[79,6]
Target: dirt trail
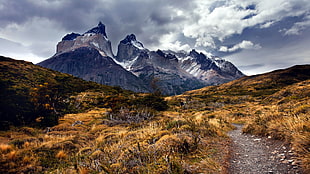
[252,155]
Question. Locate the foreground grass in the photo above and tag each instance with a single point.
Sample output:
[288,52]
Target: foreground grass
[171,142]
[188,138]
[283,114]
[286,117]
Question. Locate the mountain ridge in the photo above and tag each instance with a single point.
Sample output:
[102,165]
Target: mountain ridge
[173,72]
[261,85]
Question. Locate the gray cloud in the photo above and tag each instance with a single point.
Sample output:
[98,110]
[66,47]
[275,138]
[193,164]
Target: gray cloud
[222,27]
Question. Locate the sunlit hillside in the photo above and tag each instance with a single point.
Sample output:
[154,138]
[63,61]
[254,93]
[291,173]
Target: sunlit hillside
[102,129]
[275,104]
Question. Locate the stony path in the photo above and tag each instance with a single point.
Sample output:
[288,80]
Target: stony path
[253,155]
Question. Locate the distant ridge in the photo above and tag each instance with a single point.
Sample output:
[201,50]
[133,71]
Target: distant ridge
[135,67]
[262,84]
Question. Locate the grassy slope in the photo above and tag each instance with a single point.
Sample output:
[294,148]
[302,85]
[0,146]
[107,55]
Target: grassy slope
[189,137]
[25,88]
[275,104]
[118,133]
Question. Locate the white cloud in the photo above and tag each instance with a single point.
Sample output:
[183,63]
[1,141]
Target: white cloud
[39,36]
[248,45]
[173,24]
[18,51]
[297,28]
[220,23]
[170,42]
[270,59]
[176,46]
[267,24]
[232,17]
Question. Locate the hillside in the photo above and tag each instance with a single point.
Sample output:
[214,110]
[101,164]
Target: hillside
[29,92]
[118,132]
[275,104]
[259,86]
[125,132]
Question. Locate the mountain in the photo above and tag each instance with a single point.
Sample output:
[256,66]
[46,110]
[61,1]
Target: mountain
[136,68]
[94,38]
[29,92]
[89,56]
[176,72]
[89,64]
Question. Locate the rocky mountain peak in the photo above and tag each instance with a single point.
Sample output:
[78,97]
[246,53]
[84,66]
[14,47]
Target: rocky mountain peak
[99,29]
[134,66]
[195,54]
[70,36]
[94,38]
[129,48]
[166,55]
[129,38]
[132,40]
[160,53]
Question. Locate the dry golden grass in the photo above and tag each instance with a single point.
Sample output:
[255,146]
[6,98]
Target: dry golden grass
[184,139]
[83,170]
[170,143]
[12,156]
[61,155]
[286,116]
[27,159]
[5,148]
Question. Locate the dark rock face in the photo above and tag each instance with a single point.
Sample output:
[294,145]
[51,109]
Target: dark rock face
[136,68]
[70,36]
[174,72]
[89,64]
[100,29]
[129,49]
[95,38]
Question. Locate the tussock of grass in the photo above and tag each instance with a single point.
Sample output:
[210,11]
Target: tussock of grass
[61,155]
[5,148]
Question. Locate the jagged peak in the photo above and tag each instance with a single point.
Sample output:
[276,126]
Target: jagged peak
[167,54]
[70,36]
[194,53]
[99,29]
[131,39]
[160,52]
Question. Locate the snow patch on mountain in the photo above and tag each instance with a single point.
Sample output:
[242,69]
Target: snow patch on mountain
[127,64]
[137,44]
[177,71]
[95,44]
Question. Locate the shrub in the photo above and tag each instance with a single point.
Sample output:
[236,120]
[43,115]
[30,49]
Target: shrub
[153,101]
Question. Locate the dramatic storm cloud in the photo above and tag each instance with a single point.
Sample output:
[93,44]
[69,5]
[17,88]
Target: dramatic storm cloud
[255,35]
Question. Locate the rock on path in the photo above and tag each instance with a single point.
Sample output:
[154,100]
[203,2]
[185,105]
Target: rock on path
[252,155]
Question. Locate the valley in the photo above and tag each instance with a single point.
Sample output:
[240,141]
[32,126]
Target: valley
[103,129]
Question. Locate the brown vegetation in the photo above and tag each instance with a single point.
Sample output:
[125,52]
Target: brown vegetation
[122,132]
[171,142]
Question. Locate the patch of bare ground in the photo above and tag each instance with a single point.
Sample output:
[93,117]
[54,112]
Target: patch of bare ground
[252,154]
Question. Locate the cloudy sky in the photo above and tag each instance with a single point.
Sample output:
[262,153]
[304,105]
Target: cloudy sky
[256,35]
